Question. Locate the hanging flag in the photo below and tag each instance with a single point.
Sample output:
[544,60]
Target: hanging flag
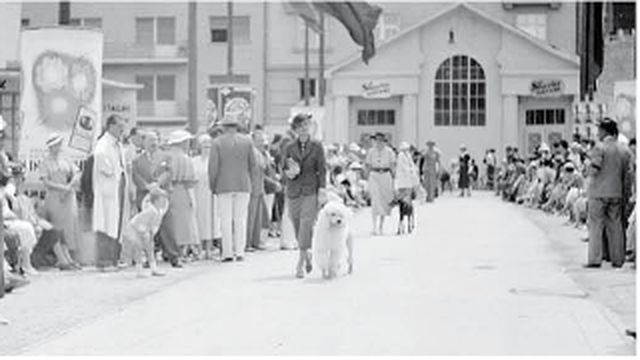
[359,18]
[592,49]
[305,10]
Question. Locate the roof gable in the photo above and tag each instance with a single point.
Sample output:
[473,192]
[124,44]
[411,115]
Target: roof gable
[555,52]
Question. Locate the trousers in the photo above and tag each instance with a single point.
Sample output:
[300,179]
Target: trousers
[234,212]
[605,217]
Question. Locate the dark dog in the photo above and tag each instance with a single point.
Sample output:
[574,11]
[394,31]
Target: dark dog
[406,221]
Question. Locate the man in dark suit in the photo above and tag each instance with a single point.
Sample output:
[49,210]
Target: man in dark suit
[145,171]
[305,169]
[609,189]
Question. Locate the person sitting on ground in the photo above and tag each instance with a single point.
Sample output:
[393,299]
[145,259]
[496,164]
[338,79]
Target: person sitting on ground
[50,249]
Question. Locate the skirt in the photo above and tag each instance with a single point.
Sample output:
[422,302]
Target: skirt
[381,193]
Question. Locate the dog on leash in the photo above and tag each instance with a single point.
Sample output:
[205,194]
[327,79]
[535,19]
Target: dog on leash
[332,239]
[406,220]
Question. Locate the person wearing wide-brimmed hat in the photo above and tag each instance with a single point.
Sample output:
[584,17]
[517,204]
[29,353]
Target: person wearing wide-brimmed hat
[231,177]
[179,223]
[380,163]
[61,178]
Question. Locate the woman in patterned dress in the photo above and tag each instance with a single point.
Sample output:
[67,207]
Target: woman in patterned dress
[180,220]
[61,179]
[380,163]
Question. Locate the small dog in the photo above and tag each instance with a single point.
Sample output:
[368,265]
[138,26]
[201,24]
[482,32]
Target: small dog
[406,221]
[332,239]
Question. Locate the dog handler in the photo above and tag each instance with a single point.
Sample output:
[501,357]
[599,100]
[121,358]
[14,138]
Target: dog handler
[305,168]
[380,163]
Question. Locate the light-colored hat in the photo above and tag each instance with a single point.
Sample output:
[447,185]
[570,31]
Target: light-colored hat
[404,146]
[463,147]
[54,139]
[355,166]
[431,142]
[354,147]
[229,120]
[178,136]
[544,147]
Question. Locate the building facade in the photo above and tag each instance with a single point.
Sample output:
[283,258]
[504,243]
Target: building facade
[484,74]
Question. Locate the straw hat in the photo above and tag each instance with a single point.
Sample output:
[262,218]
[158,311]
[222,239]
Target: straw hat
[404,146]
[54,139]
[178,137]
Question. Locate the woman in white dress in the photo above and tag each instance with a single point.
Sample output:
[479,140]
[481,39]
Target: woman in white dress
[205,207]
[380,162]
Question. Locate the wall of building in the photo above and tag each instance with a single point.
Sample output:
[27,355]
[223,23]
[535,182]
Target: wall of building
[619,63]
[9,31]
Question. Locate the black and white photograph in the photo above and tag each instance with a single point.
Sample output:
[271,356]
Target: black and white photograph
[317,178]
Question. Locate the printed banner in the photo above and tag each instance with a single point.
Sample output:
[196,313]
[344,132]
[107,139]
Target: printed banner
[62,91]
[625,107]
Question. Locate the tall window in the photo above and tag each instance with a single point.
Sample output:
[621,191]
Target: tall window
[376,117]
[534,24]
[312,87]
[460,93]
[24,22]
[388,25]
[160,30]
[241,29]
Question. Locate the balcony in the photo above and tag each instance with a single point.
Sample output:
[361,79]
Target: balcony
[132,53]
[153,110]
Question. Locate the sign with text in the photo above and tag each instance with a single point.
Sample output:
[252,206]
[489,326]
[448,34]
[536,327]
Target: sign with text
[373,90]
[547,87]
[122,102]
[61,90]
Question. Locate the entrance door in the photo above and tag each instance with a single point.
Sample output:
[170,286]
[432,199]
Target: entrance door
[369,116]
[544,125]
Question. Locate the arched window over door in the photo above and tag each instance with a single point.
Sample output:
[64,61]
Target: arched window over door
[460,93]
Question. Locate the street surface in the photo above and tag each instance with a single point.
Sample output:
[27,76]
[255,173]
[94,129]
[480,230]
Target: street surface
[478,277]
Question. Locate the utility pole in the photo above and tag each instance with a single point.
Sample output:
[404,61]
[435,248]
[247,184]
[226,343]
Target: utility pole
[64,13]
[321,83]
[230,39]
[193,66]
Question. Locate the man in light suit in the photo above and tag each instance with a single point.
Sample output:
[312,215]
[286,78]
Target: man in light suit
[231,170]
[609,189]
[305,168]
[110,190]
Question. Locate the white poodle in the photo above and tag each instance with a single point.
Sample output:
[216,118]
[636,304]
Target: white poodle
[332,240]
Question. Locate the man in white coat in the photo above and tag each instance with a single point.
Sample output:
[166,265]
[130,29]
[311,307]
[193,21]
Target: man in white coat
[109,188]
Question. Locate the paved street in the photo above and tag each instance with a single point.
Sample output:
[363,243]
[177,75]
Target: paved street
[479,277]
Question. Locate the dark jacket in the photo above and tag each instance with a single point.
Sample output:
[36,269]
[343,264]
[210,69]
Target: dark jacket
[313,168]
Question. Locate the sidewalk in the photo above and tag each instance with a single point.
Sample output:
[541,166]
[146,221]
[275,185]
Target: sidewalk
[615,289]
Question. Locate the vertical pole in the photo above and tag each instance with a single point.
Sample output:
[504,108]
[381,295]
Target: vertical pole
[230,38]
[2,279]
[193,66]
[307,83]
[64,13]
[321,84]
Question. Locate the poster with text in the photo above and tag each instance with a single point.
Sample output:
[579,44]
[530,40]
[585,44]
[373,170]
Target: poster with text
[62,91]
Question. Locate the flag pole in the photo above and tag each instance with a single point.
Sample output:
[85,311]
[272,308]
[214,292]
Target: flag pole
[307,85]
[193,69]
[229,38]
[321,84]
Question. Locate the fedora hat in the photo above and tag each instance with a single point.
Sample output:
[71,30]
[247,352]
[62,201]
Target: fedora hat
[230,120]
[379,135]
[178,137]
[54,139]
